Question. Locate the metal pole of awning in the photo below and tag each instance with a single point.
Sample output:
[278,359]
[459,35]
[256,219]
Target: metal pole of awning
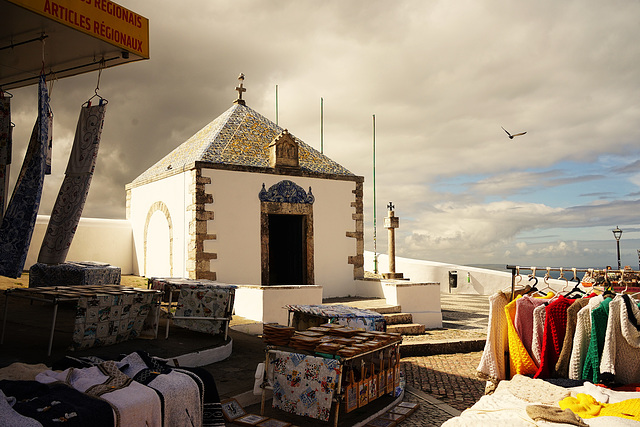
[37,39]
[62,71]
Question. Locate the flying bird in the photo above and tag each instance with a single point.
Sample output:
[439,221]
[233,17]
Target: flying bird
[511,136]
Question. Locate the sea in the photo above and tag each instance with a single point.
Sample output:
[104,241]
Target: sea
[541,270]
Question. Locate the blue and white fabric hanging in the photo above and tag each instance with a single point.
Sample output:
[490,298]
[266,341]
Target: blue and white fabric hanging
[67,210]
[20,217]
[5,149]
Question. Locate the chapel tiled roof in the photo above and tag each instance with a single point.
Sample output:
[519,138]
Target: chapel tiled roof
[238,137]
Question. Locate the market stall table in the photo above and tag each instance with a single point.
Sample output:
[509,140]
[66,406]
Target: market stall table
[202,305]
[311,382]
[105,314]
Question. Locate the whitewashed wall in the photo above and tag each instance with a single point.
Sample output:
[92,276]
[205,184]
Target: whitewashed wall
[236,224]
[173,192]
[471,280]
[101,240]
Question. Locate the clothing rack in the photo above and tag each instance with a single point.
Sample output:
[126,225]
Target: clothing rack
[515,271]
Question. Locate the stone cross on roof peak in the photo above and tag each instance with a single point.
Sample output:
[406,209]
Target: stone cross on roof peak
[240,89]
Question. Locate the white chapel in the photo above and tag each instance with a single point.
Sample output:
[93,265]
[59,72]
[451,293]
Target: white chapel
[245,202]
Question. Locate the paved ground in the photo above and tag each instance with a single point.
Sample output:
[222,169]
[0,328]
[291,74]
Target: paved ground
[446,384]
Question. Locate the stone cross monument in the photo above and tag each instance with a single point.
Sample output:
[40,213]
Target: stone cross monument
[392,222]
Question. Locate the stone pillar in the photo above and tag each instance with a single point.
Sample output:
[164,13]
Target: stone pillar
[392,222]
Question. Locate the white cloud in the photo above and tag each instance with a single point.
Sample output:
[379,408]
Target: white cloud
[441,77]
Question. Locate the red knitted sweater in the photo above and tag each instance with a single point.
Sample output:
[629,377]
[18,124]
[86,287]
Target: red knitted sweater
[555,325]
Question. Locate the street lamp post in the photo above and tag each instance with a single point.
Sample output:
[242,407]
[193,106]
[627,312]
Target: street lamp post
[617,233]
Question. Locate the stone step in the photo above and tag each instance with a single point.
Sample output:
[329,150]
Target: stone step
[386,309]
[398,318]
[407,329]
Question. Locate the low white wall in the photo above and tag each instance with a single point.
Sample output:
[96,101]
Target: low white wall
[471,280]
[266,303]
[369,289]
[422,300]
[96,239]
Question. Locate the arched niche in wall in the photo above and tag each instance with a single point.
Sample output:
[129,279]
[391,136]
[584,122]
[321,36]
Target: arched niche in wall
[160,240]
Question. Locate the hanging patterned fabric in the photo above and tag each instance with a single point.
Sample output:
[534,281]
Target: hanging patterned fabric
[67,210]
[20,217]
[5,149]
[213,301]
[304,385]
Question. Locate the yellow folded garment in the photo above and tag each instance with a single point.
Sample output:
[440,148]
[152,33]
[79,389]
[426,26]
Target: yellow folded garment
[586,406]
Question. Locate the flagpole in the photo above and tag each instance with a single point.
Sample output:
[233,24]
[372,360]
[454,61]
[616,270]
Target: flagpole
[321,125]
[276,104]
[375,228]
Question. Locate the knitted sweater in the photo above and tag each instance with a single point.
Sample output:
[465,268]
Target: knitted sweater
[519,360]
[539,314]
[524,318]
[587,407]
[562,366]
[621,350]
[134,404]
[22,371]
[492,363]
[57,404]
[555,324]
[582,337]
[599,318]
[180,393]
[10,417]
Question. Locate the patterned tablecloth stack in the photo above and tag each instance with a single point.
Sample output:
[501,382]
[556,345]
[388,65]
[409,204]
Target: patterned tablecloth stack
[305,316]
[73,274]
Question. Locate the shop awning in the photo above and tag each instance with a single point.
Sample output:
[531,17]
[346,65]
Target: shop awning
[69,37]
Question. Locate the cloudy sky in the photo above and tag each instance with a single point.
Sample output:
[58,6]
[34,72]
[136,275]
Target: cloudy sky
[441,77]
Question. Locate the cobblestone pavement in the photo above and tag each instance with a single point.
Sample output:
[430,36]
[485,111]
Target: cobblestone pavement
[443,384]
[446,384]
[450,378]
[430,413]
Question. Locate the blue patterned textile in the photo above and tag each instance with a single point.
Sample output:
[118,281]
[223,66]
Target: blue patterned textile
[20,217]
[106,319]
[73,274]
[199,298]
[351,317]
[67,210]
[303,385]
[5,150]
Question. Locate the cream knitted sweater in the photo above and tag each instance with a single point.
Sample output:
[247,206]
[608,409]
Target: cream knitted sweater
[492,363]
[581,338]
[621,350]
[134,404]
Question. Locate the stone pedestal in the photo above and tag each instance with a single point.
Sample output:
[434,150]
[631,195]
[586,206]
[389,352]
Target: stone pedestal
[391,223]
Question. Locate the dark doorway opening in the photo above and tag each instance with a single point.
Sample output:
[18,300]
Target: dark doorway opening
[287,250]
